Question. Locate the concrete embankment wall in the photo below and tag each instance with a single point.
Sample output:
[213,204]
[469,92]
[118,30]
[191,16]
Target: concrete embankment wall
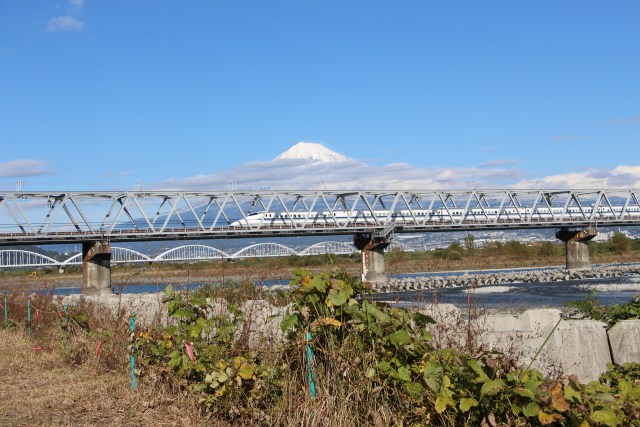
[573,347]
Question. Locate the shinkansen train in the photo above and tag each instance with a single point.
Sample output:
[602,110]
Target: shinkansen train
[441,215]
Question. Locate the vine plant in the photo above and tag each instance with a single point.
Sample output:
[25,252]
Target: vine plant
[382,350]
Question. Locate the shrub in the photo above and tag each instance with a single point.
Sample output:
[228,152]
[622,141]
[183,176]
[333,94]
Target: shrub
[620,242]
[549,249]
[365,363]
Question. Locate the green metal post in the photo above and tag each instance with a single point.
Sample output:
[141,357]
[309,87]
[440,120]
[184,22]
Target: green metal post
[312,381]
[6,314]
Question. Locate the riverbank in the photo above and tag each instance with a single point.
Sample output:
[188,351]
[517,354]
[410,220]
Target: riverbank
[274,269]
[503,277]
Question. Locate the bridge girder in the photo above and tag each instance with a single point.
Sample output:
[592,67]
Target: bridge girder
[70,217]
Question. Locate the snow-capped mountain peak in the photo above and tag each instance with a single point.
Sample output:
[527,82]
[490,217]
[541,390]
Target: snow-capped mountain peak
[317,153]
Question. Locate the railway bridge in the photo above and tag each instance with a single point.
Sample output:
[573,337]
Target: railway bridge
[98,219]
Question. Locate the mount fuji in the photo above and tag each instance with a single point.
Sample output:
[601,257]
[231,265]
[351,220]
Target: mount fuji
[313,152]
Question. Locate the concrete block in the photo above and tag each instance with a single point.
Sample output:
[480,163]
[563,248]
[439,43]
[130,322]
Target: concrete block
[261,327]
[501,322]
[520,346]
[624,338]
[578,347]
[148,308]
[441,313]
[538,319]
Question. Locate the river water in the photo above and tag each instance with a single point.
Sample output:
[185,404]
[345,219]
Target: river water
[510,296]
[515,296]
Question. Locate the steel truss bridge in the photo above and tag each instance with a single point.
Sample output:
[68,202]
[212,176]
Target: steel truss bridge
[71,217]
[16,258]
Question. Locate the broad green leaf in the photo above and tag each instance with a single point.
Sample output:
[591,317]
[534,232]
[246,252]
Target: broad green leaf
[531,410]
[319,283]
[404,373]
[199,387]
[375,312]
[573,395]
[531,385]
[422,320]
[442,401]
[413,387]
[169,291]
[399,338]
[246,371]
[446,382]
[196,329]
[606,417]
[467,403]
[477,368]
[525,392]
[384,366]
[475,365]
[337,298]
[492,387]
[370,373]
[175,359]
[198,300]
[432,384]
[289,321]
[606,397]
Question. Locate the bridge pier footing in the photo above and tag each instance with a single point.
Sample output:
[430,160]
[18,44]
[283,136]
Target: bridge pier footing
[372,248]
[96,268]
[577,246]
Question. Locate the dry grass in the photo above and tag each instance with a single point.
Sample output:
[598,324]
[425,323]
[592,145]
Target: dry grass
[40,389]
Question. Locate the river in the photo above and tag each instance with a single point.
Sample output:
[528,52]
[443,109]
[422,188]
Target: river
[513,296]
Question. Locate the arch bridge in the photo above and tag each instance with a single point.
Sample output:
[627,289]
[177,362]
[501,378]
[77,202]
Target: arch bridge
[18,258]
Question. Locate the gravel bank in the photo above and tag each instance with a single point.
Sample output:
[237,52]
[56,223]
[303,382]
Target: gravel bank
[498,278]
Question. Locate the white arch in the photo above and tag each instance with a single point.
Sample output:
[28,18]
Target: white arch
[20,258]
[125,255]
[190,253]
[73,260]
[264,250]
[329,248]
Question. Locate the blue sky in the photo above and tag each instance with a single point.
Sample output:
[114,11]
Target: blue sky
[99,95]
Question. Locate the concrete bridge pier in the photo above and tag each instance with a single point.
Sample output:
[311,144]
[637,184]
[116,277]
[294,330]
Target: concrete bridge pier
[577,246]
[96,268]
[372,248]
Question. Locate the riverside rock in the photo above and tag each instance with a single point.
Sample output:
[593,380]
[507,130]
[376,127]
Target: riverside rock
[472,279]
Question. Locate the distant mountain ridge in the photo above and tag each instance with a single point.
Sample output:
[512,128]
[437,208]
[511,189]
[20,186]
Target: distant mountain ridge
[314,152]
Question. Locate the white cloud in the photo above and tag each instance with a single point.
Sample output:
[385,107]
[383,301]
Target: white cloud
[64,23]
[77,3]
[619,177]
[301,175]
[22,168]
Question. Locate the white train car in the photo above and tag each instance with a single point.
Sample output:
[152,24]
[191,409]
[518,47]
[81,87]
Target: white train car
[440,215]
